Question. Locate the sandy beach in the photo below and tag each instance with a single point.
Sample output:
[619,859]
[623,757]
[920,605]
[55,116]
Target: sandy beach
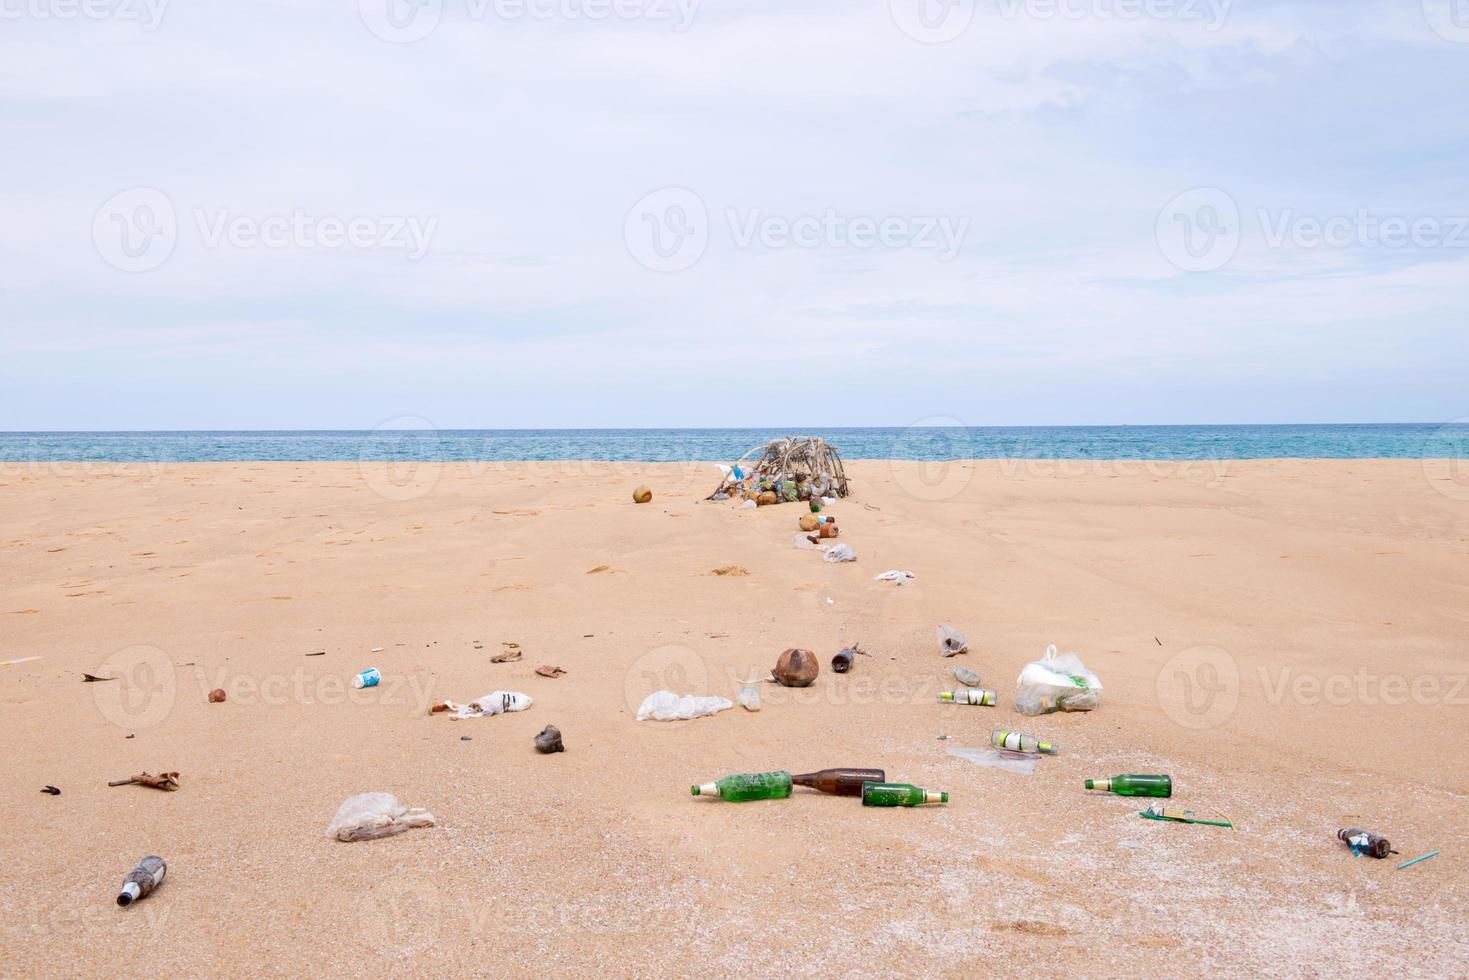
[1287,639]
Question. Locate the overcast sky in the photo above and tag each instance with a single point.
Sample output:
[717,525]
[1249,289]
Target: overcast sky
[524,213]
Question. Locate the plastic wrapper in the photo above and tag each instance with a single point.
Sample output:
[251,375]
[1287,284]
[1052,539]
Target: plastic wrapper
[1015,762]
[368,816]
[667,706]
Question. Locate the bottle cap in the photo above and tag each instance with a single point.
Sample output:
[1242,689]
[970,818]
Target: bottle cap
[1089,784]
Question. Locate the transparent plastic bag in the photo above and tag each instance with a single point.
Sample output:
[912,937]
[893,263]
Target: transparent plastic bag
[1016,762]
[368,816]
[840,552]
[951,641]
[1056,683]
[667,706]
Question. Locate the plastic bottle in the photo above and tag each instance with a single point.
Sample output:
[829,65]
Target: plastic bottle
[744,786]
[370,677]
[899,794]
[1002,738]
[970,695]
[840,782]
[1365,842]
[1134,785]
[147,876]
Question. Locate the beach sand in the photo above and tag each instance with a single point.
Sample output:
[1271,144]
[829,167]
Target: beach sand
[1286,638]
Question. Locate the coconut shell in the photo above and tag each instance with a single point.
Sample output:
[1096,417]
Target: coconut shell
[642,495]
[768,497]
[809,522]
[829,530]
[216,695]
[796,668]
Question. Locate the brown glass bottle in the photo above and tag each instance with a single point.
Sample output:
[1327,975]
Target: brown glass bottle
[841,782]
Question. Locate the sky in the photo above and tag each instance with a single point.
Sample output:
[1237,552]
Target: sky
[585,213]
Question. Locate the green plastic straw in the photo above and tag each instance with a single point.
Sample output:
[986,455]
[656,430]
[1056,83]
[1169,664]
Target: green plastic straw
[1409,864]
[1212,823]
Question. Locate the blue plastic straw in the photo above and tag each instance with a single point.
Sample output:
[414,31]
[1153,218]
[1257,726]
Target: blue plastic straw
[1409,864]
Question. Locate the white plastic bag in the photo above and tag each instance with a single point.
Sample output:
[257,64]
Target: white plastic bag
[951,641]
[840,552]
[494,703]
[900,576]
[368,816]
[667,706]
[1056,684]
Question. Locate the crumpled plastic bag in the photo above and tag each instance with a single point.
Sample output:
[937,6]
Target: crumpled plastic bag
[368,816]
[840,552]
[667,706]
[1056,684]
[494,703]
[899,576]
[951,641]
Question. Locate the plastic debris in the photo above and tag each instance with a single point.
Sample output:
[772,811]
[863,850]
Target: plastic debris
[164,780]
[967,677]
[368,816]
[494,703]
[93,678]
[371,677]
[840,552]
[1016,762]
[52,790]
[952,643]
[748,694]
[1056,684]
[1409,864]
[1159,811]
[899,576]
[667,706]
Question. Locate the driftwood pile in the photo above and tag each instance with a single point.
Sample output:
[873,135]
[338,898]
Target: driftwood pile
[784,471]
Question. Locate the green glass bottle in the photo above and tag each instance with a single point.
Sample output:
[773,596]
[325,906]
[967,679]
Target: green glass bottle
[744,786]
[899,794]
[1127,785]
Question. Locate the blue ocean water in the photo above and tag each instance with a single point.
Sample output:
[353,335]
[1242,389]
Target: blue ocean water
[1408,441]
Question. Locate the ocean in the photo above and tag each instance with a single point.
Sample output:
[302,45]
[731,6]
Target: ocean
[1143,442]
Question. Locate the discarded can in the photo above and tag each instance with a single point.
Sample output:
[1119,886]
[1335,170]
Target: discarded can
[970,695]
[1134,785]
[1002,738]
[147,876]
[747,786]
[1365,842]
[839,782]
[370,677]
[899,794]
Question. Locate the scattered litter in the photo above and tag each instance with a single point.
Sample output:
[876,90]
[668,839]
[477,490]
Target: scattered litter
[376,650]
[899,576]
[1159,811]
[90,678]
[494,703]
[164,780]
[784,471]
[508,657]
[967,677]
[971,695]
[466,738]
[546,670]
[1002,738]
[147,876]
[747,695]
[942,738]
[1056,684]
[1409,864]
[25,660]
[796,668]
[1130,785]
[842,662]
[952,643]
[368,816]
[899,794]
[371,677]
[1365,842]
[217,695]
[317,653]
[840,552]
[741,787]
[1016,762]
[667,706]
[748,504]
[549,740]
[840,782]
[56,792]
